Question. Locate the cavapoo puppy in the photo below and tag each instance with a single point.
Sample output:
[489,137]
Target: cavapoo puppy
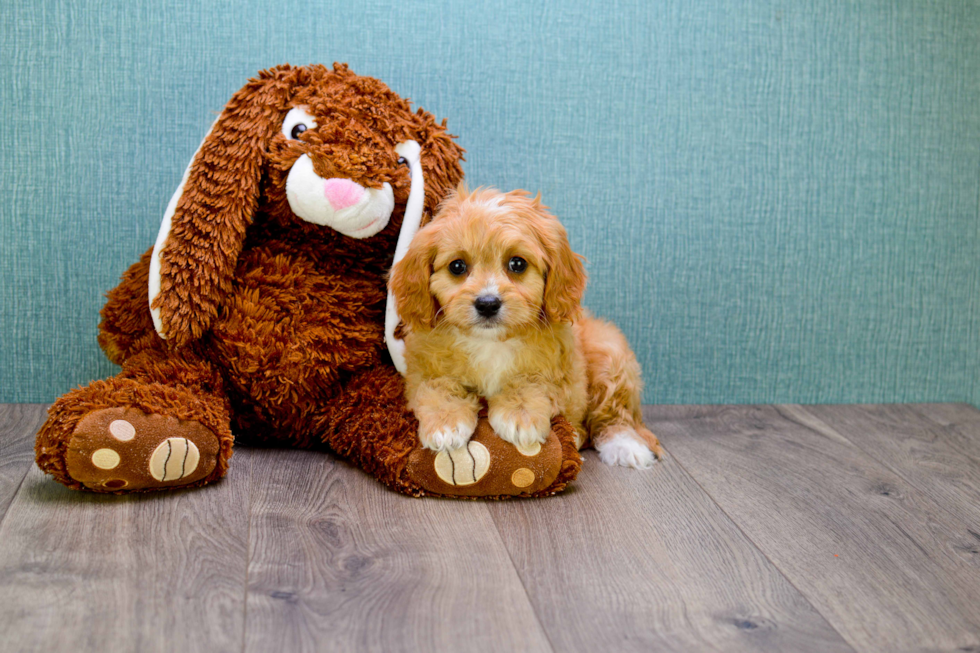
[490,294]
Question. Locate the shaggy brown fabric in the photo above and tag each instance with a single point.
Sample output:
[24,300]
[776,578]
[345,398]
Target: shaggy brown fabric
[275,326]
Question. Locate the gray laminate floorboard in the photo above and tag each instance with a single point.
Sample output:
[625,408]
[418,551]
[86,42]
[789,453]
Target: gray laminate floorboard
[959,425]
[18,425]
[904,439]
[339,563]
[766,529]
[872,552]
[644,561]
[100,573]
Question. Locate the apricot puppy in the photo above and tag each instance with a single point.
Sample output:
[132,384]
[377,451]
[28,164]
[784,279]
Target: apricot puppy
[490,293]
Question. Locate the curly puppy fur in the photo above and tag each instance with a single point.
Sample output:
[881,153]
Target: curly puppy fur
[490,291]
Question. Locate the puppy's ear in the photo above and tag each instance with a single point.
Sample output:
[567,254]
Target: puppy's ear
[408,283]
[203,229]
[565,278]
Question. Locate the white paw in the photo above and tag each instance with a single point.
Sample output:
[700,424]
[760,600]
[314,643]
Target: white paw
[625,448]
[521,435]
[448,437]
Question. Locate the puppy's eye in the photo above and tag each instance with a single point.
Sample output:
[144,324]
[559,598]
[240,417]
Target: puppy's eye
[297,121]
[517,265]
[457,268]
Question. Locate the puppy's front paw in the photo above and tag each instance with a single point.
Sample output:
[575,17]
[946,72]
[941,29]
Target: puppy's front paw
[448,433]
[519,427]
[625,448]
[447,438]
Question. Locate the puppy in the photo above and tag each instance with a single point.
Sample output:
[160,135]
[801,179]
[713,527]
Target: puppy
[490,294]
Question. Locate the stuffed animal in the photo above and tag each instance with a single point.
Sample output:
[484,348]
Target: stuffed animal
[261,309]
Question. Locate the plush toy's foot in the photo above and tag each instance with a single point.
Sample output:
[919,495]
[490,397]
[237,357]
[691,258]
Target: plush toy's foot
[373,428]
[123,436]
[490,467]
[126,449]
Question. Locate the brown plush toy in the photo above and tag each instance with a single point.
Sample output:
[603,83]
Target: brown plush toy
[261,309]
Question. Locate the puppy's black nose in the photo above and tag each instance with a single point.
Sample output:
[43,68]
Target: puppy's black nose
[487,305]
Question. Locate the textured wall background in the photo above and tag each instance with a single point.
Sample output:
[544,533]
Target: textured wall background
[780,201]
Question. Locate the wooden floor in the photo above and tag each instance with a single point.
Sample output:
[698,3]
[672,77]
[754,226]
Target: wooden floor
[767,528]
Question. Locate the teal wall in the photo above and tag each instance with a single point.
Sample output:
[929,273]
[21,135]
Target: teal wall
[779,201]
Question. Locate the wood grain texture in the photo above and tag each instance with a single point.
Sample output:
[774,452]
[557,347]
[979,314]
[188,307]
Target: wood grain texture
[99,573]
[921,450]
[339,563]
[766,529]
[19,424]
[643,560]
[876,555]
[959,425]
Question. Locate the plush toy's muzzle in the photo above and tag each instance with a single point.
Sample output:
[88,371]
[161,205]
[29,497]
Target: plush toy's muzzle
[341,204]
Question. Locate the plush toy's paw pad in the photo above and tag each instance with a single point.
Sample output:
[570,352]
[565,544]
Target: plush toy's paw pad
[463,466]
[124,449]
[488,466]
[529,450]
[626,449]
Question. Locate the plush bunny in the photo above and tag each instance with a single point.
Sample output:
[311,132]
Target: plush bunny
[261,308]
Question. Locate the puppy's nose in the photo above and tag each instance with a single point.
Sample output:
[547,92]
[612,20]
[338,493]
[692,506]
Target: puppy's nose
[487,305]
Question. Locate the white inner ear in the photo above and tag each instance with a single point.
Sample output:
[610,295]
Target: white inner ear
[412,153]
[168,215]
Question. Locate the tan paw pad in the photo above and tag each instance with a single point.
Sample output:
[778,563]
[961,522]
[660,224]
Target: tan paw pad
[106,459]
[522,477]
[463,466]
[173,459]
[122,430]
[528,451]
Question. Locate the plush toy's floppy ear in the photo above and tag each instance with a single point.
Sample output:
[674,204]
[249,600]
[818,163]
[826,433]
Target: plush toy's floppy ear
[204,225]
[565,279]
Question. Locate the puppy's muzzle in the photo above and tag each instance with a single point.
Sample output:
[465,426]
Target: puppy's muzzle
[487,305]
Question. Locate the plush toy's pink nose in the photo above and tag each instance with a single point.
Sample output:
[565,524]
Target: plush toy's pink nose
[342,193]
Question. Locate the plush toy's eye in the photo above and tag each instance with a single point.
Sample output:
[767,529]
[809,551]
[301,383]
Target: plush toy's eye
[457,268]
[402,161]
[517,265]
[297,121]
